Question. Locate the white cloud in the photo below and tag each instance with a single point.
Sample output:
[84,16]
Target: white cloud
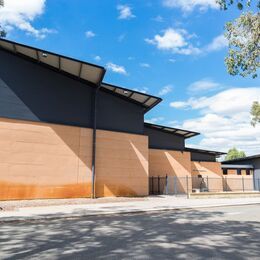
[158,19]
[205,84]
[165,90]
[179,104]
[97,58]
[217,43]
[90,34]
[116,68]
[20,15]
[172,60]
[224,120]
[125,12]
[190,5]
[145,65]
[142,90]
[174,40]
[178,41]
[154,120]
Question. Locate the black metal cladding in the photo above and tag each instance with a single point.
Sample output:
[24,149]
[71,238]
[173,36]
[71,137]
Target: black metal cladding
[196,156]
[29,91]
[245,161]
[163,140]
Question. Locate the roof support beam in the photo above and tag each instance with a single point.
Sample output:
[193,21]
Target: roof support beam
[59,63]
[80,69]
[146,100]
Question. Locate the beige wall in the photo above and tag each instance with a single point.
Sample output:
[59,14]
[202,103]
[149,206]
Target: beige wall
[235,183]
[171,163]
[43,160]
[212,170]
[122,164]
[39,160]
[167,162]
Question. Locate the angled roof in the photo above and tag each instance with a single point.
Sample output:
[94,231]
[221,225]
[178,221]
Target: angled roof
[171,130]
[146,100]
[80,69]
[204,151]
[256,156]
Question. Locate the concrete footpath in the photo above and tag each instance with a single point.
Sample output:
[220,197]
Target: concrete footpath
[149,204]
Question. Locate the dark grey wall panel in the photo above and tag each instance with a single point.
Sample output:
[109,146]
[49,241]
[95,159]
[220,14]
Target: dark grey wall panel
[162,140]
[30,91]
[118,114]
[196,156]
[254,161]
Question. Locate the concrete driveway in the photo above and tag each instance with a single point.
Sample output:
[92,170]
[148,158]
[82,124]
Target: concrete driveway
[215,233]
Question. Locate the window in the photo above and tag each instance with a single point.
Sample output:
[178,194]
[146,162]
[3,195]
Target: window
[225,171]
[238,171]
[247,171]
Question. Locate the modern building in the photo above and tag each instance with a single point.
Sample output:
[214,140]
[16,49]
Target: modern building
[249,165]
[65,133]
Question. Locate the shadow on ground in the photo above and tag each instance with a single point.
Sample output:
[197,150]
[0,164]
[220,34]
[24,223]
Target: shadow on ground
[168,235]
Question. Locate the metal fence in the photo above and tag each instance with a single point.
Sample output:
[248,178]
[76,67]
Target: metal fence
[183,185]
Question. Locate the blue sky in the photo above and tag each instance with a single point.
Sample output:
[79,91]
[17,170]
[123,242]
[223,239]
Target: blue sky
[170,48]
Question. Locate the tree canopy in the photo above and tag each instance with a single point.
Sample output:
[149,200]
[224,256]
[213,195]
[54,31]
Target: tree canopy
[255,113]
[233,153]
[2,31]
[243,35]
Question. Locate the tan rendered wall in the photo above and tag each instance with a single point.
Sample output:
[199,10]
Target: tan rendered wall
[171,163]
[122,164]
[238,183]
[44,160]
[212,170]
[40,160]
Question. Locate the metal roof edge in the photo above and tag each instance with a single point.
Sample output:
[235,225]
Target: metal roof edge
[154,126]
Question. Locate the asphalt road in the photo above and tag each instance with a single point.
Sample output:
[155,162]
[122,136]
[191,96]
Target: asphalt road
[218,233]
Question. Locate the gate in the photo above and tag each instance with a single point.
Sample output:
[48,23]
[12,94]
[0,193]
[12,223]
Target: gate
[158,185]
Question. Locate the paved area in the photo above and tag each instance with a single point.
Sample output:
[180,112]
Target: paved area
[215,233]
[156,203]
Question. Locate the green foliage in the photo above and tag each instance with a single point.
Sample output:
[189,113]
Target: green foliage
[233,153]
[2,32]
[255,112]
[243,35]
[224,4]
[244,45]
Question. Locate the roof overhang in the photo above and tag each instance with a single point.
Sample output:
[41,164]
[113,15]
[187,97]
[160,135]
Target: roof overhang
[143,99]
[171,130]
[237,166]
[215,153]
[257,156]
[82,70]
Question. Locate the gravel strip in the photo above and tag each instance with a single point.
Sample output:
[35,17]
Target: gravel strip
[14,205]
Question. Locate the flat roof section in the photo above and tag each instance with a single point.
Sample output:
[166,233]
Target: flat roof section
[243,159]
[171,130]
[143,99]
[80,69]
[204,151]
[237,166]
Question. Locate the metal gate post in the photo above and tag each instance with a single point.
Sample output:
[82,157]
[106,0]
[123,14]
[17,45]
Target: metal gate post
[175,186]
[166,185]
[158,185]
[187,186]
[152,187]
[243,184]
